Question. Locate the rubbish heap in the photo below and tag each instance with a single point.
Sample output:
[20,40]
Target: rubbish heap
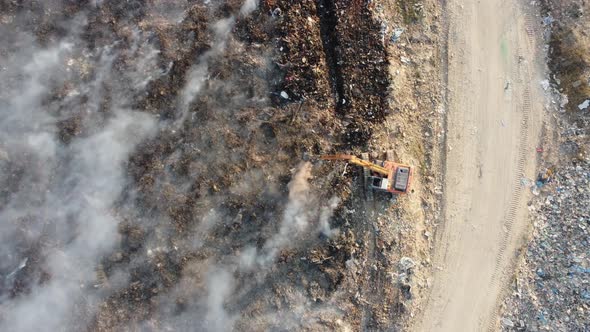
[552,293]
[551,289]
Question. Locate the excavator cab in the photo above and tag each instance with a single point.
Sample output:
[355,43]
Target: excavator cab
[378,183]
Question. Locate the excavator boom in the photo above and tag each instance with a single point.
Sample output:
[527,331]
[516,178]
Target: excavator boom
[357,161]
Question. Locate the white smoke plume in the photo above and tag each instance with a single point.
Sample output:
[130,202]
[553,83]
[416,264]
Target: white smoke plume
[302,210]
[303,217]
[199,74]
[219,286]
[97,179]
[326,214]
[62,194]
[296,217]
[248,7]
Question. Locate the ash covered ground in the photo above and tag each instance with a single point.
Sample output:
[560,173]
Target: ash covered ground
[151,173]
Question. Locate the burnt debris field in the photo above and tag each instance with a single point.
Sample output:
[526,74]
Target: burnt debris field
[152,173]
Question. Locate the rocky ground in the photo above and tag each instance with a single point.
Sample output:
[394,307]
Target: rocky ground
[152,174]
[551,289]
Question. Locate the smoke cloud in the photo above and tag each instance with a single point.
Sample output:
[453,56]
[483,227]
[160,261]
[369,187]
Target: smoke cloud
[220,285]
[57,205]
[72,118]
[199,73]
[297,214]
[300,211]
[248,7]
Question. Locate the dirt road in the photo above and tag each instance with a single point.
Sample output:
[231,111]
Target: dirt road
[494,118]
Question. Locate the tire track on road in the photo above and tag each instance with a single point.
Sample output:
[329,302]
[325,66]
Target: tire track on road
[480,233]
[500,278]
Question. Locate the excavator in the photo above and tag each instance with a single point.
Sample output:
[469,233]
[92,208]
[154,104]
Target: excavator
[379,176]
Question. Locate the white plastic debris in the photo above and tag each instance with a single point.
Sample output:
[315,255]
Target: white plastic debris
[284,95]
[548,20]
[584,105]
[21,266]
[564,101]
[507,322]
[406,263]
[397,32]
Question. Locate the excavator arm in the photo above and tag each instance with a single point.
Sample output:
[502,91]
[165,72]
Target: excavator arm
[357,161]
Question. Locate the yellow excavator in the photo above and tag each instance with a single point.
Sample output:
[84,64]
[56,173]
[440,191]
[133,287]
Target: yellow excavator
[379,176]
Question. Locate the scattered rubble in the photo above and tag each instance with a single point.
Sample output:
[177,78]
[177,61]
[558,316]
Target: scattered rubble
[551,288]
[551,291]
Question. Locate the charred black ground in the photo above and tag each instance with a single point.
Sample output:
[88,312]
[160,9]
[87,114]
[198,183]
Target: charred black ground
[214,181]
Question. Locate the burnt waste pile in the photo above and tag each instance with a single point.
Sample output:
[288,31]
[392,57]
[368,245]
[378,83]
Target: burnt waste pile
[151,173]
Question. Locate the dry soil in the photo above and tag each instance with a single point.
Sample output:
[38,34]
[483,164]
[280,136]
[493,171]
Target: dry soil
[493,122]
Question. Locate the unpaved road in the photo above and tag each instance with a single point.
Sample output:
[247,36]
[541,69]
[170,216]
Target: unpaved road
[494,118]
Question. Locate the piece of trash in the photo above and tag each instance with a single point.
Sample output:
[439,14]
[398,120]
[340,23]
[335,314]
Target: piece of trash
[404,60]
[542,318]
[21,266]
[507,322]
[584,105]
[545,84]
[544,177]
[406,263]
[539,149]
[284,95]
[397,32]
[564,101]
[548,20]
